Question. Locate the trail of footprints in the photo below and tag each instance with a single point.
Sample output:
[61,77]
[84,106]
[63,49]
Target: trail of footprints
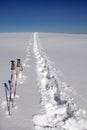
[58,110]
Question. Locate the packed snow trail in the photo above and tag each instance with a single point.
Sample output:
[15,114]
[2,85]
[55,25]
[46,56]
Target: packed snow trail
[58,110]
[53,112]
[27,103]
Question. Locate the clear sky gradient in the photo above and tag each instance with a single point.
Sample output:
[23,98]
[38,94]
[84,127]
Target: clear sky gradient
[67,16]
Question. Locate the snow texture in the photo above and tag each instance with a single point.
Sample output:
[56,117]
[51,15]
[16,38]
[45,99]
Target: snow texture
[14,46]
[61,106]
[58,109]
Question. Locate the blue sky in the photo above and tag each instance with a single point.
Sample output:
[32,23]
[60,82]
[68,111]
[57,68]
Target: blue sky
[67,16]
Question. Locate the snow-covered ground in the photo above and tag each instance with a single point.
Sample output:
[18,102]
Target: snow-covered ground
[12,47]
[68,52]
[58,99]
[52,93]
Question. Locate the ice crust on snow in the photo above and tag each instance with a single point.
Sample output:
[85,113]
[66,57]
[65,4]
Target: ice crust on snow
[58,109]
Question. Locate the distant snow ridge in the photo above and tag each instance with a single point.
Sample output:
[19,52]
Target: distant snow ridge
[58,110]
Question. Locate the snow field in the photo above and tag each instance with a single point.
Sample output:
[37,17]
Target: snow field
[19,77]
[28,102]
[58,109]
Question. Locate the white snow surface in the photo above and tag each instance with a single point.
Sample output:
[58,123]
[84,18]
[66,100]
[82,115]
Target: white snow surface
[58,108]
[45,98]
[12,47]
